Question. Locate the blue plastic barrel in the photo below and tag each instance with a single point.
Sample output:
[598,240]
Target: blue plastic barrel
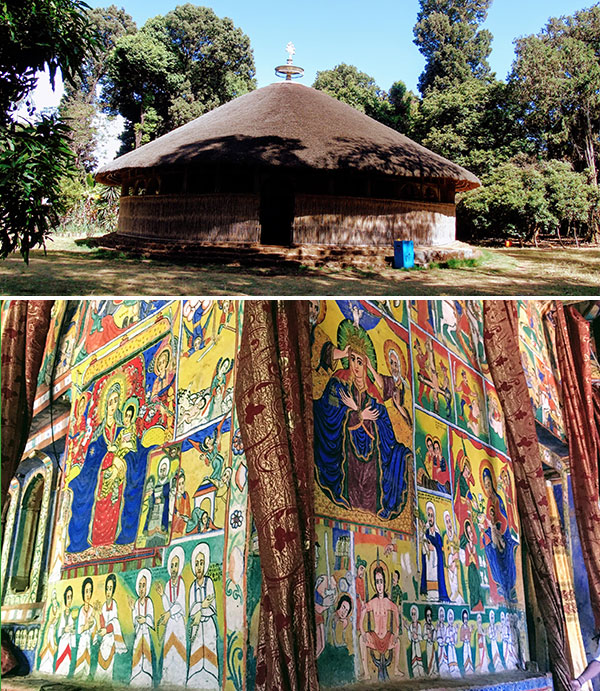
[404,254]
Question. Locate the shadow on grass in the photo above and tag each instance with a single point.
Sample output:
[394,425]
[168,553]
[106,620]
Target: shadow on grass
[109,272]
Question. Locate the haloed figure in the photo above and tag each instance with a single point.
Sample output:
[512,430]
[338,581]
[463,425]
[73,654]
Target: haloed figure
[173,619]
[86,626]
[142,612]
[110,635]
[66,635]
[381,640]
[203,672]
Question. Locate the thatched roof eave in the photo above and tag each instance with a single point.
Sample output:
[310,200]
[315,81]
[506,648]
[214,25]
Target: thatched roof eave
[290,126]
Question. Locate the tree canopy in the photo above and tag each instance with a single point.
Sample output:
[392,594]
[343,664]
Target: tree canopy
[557,78]
[34,156]
[477,124]
[447,33]
[174,69]
[79,104]
[359,90]
[39,34]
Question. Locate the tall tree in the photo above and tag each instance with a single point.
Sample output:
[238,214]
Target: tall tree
[79,104]
[557,77]
[174,69]
[358,89]
[35,34]
[478,124]
[447,33]
[395,109]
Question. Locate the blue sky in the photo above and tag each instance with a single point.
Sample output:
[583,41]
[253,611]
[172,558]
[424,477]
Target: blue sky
[374,35]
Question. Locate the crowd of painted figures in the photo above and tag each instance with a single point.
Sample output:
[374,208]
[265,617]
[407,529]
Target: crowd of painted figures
[459,643]
[174,629]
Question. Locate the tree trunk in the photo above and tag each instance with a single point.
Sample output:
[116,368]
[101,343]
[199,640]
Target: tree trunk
[139,130]
[590,152]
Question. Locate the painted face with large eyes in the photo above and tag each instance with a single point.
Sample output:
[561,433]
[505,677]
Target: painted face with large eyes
[112,404]
[357,365]
[142,587]
[199,565]
[87,593]
[174,568]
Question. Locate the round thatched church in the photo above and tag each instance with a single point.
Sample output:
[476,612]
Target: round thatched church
[283,165]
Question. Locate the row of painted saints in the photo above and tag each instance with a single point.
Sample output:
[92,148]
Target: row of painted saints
[181,641]
[446,649]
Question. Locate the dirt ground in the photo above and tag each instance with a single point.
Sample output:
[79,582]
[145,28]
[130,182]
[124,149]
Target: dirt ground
[67,269]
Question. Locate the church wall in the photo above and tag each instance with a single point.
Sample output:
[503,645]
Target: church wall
[538,353]
[382,484]
[419,559]
[361,221]
[193,218]
[153,500]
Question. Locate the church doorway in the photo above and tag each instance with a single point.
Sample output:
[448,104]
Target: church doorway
[276,211]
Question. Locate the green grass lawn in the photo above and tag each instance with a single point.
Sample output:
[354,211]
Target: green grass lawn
[69,269]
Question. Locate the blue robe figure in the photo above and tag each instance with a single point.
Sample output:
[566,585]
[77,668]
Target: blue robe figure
[436,540]
[84,491]
[137,462]
[499,543]
[359,463]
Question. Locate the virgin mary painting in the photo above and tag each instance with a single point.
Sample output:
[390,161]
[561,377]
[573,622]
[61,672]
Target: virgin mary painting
[359,462]
[107,492]
[497,539]
[98,489]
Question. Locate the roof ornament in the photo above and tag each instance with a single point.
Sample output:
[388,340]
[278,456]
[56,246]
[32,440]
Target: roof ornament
[289,70]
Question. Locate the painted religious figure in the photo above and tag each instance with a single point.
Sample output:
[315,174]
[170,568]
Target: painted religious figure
[107,488]
[466,632]
[415,636]
[360,463]
[142,612]
[493,633]
[180,507]
[174,656]
[383,641]
[499,543]
[429,638]
[48,651]
[452,557]
[158,497]
[203,662]
[470,560]
[433,578]
[341,624]
[442,649]
[66,636]
[483,658]
[98,489]
[470,408]
[86,627]
[109,633]
[451,640]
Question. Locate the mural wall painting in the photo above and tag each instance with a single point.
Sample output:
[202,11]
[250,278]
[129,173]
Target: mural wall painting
[154,574]
[426,583]
[537,347]
[147,574]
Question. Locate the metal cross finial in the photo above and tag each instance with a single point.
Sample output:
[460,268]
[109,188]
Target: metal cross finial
[291,50]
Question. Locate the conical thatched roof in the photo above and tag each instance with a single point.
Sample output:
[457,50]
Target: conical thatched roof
[288,124]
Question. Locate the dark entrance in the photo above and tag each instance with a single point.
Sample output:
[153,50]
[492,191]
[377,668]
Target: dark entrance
[276,211]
